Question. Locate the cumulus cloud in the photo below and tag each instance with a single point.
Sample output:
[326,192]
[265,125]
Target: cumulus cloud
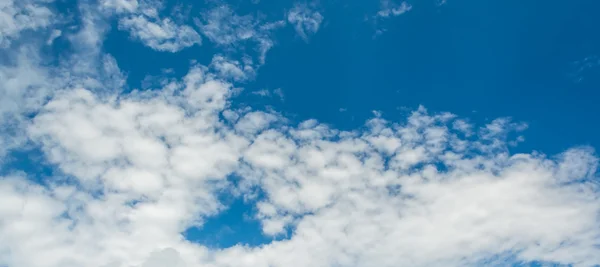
[144,167]
[133,171]
[28,78]
[305,20]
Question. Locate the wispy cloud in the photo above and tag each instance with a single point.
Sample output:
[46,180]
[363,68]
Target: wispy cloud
[268,93]
[390,8]
[581,69]
[227,29]
[305,20]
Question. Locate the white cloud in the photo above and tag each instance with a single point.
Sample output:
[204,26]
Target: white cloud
[463,126]
[227,29]
[223,27]
[168,152]
[305,20]
[166,257]
[23,82]
[161,35]
[232,69]
[143,21]
[262,92]
[268,93]
[24,87]
[53,35]
[135,170]
[390,8]
[28,80]
[21,15]
[120,6]
[278,92]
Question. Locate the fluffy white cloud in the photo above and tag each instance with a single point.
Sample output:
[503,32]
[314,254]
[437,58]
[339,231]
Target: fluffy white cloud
[305,20]
[28,78]
[141,168]
[135,170]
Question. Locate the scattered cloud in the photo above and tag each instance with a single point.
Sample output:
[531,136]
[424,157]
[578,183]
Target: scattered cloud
[583,69]
[278,92]
[263,92]
[144,23]
[232,69]
[390,8]
[268,93]
[227,29]
[305,20]
[161,35]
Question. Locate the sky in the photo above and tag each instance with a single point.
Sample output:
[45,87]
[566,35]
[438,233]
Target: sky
[185,133]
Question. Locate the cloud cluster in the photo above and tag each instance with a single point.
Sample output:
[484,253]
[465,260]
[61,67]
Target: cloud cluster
[137,170]
[22,15]
[29,75]
[133,171]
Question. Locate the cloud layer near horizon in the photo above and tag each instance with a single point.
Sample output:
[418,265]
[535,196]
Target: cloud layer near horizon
[133,171]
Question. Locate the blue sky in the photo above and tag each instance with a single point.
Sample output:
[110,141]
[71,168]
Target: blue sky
[497,57]
[272,133]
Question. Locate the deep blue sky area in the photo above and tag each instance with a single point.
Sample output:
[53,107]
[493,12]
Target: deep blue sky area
[478,59]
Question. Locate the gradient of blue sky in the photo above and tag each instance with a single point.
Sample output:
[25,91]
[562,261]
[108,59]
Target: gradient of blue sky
[291,133]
